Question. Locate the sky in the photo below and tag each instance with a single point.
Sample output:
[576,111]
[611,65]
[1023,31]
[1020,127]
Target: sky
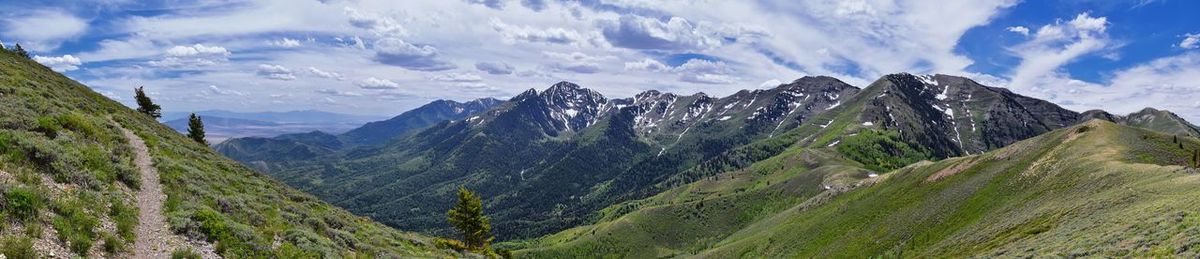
[383,57]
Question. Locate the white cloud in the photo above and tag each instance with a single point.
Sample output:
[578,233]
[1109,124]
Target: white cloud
[338,92]
[1160,83]
[60,64]
[1019,29]
[214,90]
[1190,41]
[637,32]
[495,68]
[646,65]
[275,72]
[705,72]
[376,83]
[192,56]
[1055,45]
[44,30]
[325,74]
[397,52]
[285,43]
[382,26]
[456,77]
[512,34]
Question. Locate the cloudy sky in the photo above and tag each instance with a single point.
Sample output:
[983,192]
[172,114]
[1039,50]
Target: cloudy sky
[384,57]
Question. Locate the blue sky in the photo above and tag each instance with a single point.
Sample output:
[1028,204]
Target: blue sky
[383,57]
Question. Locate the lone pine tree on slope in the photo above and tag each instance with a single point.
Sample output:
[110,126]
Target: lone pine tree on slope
[196,129]
[145,105]
[467,216]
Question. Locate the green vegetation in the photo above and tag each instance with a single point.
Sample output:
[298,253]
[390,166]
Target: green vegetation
[1097,189]
[467,216]
[145,105]
[18,248]
[881,151]
[185,253]
[196,129]
[67,168]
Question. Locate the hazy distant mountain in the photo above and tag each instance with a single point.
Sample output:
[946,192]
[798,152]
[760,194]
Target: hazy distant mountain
[298,117]
[302,146]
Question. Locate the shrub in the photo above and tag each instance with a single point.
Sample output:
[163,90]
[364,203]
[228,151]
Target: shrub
[185,253]
[18,248]
[112,243]
[23,202]
[75,226]
[451,244]
[881,151]
[125,217]
[48,126]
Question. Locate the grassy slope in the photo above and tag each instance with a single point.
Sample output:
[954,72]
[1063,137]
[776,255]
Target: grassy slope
[60,148]
[1094,189]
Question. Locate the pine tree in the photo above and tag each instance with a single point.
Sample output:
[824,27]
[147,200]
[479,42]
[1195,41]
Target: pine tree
[145,105]
[21,51]
[196,129]
[467,216]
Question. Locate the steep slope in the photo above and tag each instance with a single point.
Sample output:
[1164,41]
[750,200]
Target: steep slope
[69,180]
[1095,189]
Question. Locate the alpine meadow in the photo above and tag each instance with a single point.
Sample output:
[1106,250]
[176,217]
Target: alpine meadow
[599,129]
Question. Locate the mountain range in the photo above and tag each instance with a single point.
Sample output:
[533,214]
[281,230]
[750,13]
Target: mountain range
[554,159]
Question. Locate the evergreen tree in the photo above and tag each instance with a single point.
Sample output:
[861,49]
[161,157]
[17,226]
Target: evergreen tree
[196,129]
[21,51]
[467,216]
[145,105]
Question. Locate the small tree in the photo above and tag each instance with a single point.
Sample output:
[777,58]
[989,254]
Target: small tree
[196,129]
[145,105]
[467,216]
[20,51]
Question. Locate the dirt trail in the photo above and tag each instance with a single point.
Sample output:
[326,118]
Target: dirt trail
[154,237]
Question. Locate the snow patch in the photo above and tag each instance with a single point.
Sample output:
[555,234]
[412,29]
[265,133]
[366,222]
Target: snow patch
[868,123]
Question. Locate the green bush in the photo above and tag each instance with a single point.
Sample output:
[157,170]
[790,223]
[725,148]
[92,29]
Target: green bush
[48,126]
[125,217]
[18,248]
[185,253]
[75,226]
[112,243]
[881,151]
[23,202]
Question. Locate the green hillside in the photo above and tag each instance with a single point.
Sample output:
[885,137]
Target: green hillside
[69,182]
[1096,189]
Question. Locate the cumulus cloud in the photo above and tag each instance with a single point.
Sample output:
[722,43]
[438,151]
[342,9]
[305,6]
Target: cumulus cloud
[44,29]
[397,52]
[512,34]
[637,32]
[382,26]
[1160,83]
[1019,29]
[1190,41]
[192,56]
[337,92]
[705,72]
[577,62]
[61,64]
[536,5]
[1055,45]
[494,68]
[214,90]
[286,43]
[646,65]
[275,72]
[494,4]
[325,74]
[376,83]
[456,77]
